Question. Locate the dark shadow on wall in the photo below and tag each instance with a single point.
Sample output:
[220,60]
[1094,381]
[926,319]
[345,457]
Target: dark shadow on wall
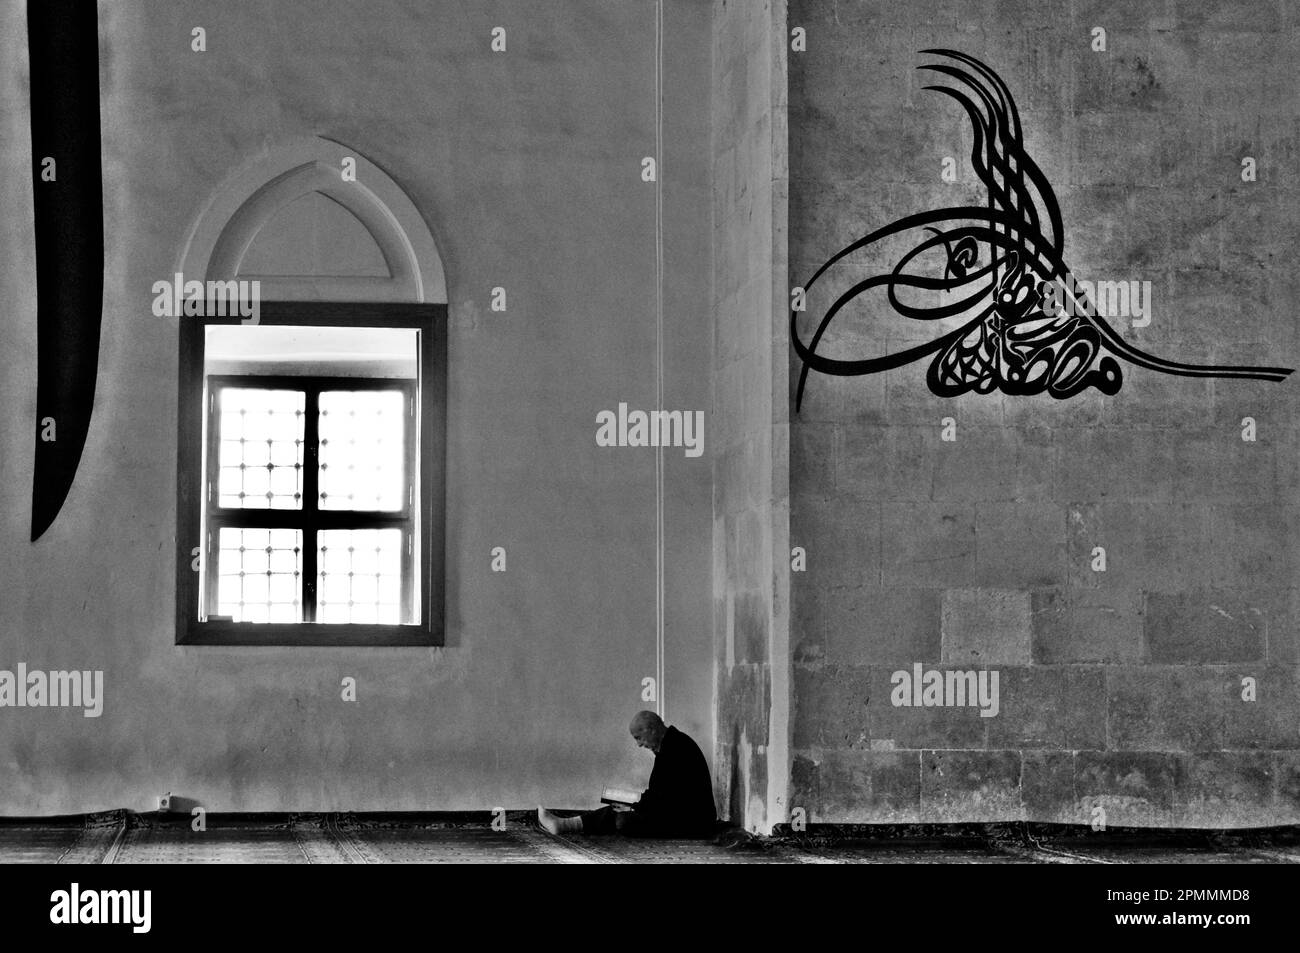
[735,809]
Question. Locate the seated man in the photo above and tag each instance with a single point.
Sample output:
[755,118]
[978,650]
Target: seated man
[678,802]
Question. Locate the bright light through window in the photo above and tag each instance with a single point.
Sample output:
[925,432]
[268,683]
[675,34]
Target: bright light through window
[331,463]
[311,477]
[361,450]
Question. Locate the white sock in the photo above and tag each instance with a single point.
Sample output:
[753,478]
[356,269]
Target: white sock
[558,825]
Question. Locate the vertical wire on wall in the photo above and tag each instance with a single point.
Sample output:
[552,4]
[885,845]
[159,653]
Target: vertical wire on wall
[659,356]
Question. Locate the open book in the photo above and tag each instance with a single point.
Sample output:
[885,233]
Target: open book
[619,796]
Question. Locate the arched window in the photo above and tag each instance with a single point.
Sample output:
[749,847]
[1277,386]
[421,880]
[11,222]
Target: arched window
[312,410]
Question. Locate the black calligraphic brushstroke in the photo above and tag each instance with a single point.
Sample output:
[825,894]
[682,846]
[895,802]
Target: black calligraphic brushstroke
[1011,340]
[63,43]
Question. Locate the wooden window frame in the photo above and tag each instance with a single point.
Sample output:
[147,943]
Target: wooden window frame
[427,510]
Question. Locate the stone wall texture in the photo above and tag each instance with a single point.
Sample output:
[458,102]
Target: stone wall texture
[1120,689]
[744,404]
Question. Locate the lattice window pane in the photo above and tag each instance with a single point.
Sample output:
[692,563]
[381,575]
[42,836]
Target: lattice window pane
[260,577]
[260,454]
[359,576]
[362,436]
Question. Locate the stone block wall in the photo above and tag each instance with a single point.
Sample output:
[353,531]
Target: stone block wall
[1120,689]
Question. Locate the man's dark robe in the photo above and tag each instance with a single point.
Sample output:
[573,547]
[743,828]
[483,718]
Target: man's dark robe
[679,800]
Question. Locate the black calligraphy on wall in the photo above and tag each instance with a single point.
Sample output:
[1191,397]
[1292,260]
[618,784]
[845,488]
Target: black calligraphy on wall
[1025,325]
[68,206]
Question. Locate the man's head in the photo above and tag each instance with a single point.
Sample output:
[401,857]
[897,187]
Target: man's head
[647,730]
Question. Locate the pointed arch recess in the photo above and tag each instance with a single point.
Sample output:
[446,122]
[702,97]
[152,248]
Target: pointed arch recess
[259,190]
